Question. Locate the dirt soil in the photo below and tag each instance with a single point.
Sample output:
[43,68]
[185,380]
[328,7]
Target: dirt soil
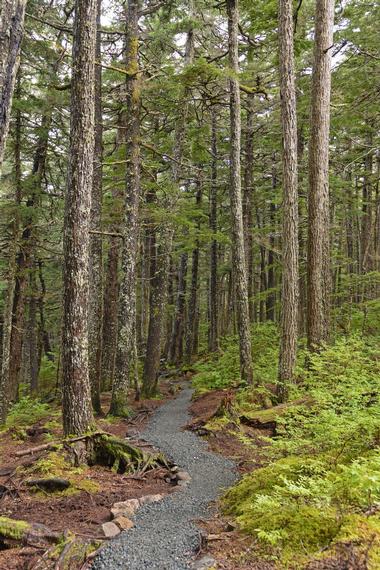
[84,512]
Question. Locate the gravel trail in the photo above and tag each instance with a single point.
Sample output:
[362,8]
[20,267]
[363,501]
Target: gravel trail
[165,536]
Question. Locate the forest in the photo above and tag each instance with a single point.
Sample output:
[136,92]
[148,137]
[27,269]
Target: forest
[189,285]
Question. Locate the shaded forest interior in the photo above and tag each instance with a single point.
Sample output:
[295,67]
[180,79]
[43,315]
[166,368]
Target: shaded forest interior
[191,189]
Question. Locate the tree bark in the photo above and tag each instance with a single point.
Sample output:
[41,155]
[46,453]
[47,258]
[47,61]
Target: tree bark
[96,252]
[238,256]
[319,280]
[213,335]
[11,32]
[76,390]
[159,261]
[176,340]
[290,270]
[192,310]
[248,201]
[126,343]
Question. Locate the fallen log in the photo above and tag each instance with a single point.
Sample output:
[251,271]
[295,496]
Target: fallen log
[13,532]
[31,450]
[50,484]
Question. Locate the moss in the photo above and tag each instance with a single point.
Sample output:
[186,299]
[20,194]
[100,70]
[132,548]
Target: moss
[10,528]
[364,532]
[55,465]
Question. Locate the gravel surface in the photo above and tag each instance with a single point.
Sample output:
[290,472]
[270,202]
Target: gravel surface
[165,536]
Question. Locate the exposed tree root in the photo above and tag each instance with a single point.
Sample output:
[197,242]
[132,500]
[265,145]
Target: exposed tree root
[122,457]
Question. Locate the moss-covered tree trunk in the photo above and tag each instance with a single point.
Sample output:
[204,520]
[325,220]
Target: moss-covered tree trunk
[76,391]
[96,249]
[126,342]
[12,14]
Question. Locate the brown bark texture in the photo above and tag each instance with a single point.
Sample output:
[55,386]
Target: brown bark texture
[126,350]
[238,254]
[76,390]
[318,264]
[96,252]
[290,271]
[12,14]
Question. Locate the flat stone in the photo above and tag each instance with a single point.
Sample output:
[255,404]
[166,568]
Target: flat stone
[183,476]
[125,508]
[205,563]
[110,529]
[124,523]
[150,499]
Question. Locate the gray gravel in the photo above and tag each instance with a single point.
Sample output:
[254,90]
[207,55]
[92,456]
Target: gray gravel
[165,536]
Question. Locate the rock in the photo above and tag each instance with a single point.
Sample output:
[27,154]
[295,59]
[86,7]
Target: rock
[205,563]
[183,478]
[124,523]
[125,508]
[150,499]
[110,529]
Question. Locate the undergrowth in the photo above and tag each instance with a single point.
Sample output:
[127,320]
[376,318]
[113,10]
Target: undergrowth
[321,485]
[26,412]
[222,370]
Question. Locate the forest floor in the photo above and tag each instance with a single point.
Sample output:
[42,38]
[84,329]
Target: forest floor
[83,509]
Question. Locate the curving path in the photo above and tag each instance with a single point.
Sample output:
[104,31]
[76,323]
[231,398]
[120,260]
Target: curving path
[165,536]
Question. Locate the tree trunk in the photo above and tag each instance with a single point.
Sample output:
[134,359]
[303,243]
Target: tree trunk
[96,254]
[11,31]
[271,281]
[319,279]
[126,349]
[76,390]
[192,311]
[213,335]
[238,256]
[159,262]
[176,340]
[248,201]
[111,292]
[290,271]
[7,344]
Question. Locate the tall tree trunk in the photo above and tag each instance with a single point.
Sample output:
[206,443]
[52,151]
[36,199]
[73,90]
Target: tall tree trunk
[192,310]
[271,280]
[11,31]
[176,339]
[159,261]
[319,280]
[238,257]
[175,347]
[32,331]
[96,254]
[213,335]
[8,317]
[126,343]
[290,285]
[248,201]
[76,389]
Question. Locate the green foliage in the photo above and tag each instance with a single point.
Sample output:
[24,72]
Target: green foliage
[330,474]
[27,411]
[222,370]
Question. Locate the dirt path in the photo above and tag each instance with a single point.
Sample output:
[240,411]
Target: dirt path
[165,536]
